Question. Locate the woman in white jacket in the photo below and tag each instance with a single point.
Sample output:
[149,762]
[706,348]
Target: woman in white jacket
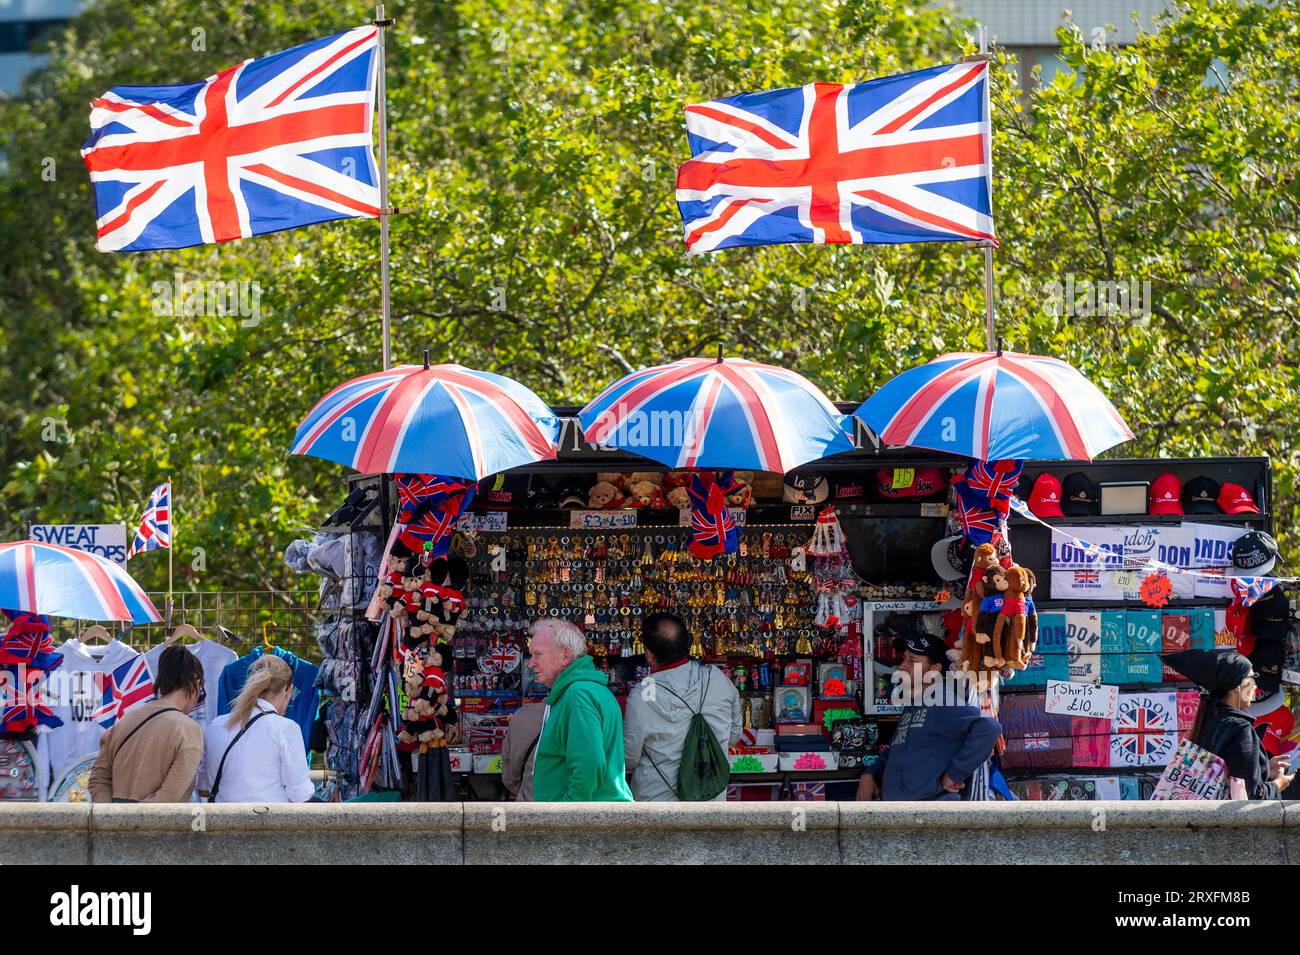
[256,754]
[660,708]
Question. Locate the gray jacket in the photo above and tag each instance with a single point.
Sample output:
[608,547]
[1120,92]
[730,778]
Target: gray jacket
[520,749]
[655,724]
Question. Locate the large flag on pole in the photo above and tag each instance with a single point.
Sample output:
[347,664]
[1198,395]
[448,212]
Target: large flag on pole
[271,144]
[899,159]
[156,525]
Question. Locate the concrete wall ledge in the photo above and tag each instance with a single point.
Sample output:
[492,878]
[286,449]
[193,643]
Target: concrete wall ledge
[785,832]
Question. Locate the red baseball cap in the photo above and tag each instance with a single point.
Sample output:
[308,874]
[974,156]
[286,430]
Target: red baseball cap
[1045,497]
[1166,495]
[1235,499]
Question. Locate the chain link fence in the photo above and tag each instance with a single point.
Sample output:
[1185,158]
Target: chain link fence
[288,616]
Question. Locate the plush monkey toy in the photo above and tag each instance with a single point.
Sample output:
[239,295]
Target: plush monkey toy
[1009,630]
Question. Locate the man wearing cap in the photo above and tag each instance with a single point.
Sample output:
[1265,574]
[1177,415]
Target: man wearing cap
[935,748]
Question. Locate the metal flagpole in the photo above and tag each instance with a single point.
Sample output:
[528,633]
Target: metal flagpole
[990,321]
[383,23]
[171,546]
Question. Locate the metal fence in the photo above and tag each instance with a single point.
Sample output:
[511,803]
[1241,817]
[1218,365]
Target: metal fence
[291,614]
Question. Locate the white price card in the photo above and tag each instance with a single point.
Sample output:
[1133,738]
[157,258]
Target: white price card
[1082,699]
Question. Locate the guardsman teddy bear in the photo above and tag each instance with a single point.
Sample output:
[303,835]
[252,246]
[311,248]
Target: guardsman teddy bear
[428,712]
[1009,631]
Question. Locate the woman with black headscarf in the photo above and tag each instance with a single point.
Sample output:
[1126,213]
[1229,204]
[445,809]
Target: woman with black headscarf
[1223,727]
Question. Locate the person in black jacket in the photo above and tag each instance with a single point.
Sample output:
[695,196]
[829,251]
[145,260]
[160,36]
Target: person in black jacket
[1223,727]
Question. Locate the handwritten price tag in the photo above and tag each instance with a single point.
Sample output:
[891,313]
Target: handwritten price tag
[602,520]
[1082,699]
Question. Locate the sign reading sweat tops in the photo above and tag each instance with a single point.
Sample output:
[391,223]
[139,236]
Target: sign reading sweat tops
[102,540]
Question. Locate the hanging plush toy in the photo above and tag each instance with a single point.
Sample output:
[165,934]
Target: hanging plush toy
[428,712]
[995,585]
[713,528]
[1009,630]
[968,652]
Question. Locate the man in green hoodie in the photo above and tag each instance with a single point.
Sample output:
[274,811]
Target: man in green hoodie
[580,752]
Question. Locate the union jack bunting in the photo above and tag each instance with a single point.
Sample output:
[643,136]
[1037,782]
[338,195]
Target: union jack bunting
[156,524]
[126,687]
[898,159]
[273,143]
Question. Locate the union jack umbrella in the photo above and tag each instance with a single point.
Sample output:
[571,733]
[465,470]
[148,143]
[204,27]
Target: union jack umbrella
[899,159]
[275,143]
[156,523]
[62,582]
[126,687]
[445,419]
[706,413]
[996,405]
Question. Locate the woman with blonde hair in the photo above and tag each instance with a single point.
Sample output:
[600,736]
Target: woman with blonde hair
[256,754]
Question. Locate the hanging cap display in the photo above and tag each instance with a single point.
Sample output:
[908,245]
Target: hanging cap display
[1201,496]
[804,487]
[573,492]
[910,482]
[1235,499]
[1045,496]
[951,557]
[1080,495]
[1254,553]
[503,492]
[848,489]
[1166,495]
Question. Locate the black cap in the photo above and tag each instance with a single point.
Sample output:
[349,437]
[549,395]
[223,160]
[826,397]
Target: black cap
[1254,552]
[805,487]
[502,492]
[923,644]
[848,489]
[1201,496]
[573,492]
[1080,495]
[1270,616]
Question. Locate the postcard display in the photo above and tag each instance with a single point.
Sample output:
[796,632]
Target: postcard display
[1095,628]
[766,615]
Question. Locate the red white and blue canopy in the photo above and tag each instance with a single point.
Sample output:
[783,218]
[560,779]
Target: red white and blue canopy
[707,413]
[61,582]
[996,405]
[440,419]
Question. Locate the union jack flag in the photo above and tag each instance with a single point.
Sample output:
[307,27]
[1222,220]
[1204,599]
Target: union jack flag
[22,705]
[978,522]
[996,481]
[274,143]
[1142,733]
[1087,577]
[898,159]
[429,506]
[126,687]
[713,526]
[156,524]
[1250,589]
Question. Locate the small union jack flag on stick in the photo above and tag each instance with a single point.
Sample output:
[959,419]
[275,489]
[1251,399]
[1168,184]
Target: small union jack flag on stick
[156,525]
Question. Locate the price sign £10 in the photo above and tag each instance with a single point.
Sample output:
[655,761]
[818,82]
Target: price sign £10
[1082,699]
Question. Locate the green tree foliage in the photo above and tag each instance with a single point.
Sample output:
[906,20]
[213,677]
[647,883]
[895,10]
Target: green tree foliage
[533,150]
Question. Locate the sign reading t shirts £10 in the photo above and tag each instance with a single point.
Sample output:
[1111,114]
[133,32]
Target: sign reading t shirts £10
[103,540]
[1082,699]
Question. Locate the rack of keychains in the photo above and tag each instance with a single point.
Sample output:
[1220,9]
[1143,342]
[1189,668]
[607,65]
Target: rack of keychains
[750,604]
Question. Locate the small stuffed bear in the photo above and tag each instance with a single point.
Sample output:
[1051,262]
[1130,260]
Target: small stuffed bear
[643,494]
[679,498]
[1009,631]
[614,478]
[428,711]
[603,494]
[742,492]
[636,477]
